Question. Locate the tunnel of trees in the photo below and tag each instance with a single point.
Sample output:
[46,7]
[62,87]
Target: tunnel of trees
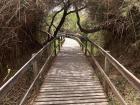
[27,25]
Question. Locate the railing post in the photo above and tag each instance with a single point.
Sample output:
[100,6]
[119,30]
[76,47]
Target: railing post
[59,43]
[91,48]
[85,47]
[35,71]
[62,41]
[35,67]
[55,50]
[81,45]
[106,69]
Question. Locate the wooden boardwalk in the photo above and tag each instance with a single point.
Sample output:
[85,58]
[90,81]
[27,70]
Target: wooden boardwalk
[71,80]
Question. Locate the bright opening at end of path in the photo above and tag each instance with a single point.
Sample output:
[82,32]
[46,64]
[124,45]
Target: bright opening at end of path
[70,43]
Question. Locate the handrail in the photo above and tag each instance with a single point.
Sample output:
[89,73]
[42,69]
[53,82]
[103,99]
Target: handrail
[35,80]
[7,86]
[40,72]
[125,72]
[133,80]
[23,69]
[114,89]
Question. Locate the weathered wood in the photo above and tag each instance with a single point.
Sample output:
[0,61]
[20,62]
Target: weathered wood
[85,47]
[114,89]
[106,69]
[71,80]
[59,43]
[55,50]
[37,76]
[71,95]
[132,79]
[10,83]
[72,100]
[35,71]
[35,80]
[83,103]
[91,48]
[35,67]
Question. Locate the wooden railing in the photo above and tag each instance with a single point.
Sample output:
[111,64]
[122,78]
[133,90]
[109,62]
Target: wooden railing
[37,73]
[131,78]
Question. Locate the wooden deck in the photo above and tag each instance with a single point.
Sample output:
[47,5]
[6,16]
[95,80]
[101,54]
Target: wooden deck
[71,80]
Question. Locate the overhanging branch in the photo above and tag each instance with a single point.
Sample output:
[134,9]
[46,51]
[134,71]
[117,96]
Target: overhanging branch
[76,10]
[99,27]
[49,29]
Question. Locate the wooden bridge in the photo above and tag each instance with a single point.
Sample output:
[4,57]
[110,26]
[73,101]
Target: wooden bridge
[71,79]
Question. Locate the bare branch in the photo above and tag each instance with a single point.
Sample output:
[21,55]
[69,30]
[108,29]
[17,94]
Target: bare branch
[95,29]
[49,29]
[61,21]
[75,10]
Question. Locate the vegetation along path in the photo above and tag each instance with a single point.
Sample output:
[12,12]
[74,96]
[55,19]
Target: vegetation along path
[71,80]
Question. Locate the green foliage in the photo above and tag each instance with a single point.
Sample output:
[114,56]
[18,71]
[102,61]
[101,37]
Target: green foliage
[102,38]
[56,20]
[98,38]
[70,23]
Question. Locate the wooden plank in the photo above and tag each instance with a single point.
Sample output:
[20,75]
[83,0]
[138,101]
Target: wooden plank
[72,90]
[69,84]
[71,95]
[69,92]
[100,103]
[76,81]
[73,86]
[72,99]
[69,98]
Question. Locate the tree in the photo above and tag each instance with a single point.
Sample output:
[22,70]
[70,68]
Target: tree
[66,8]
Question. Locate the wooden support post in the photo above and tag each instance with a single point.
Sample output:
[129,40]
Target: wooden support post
[82,47]
[106,69]
[55,50]
[62,40]
[91,48]
[59,43]
[35,67]
[85,47]
[35,71]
